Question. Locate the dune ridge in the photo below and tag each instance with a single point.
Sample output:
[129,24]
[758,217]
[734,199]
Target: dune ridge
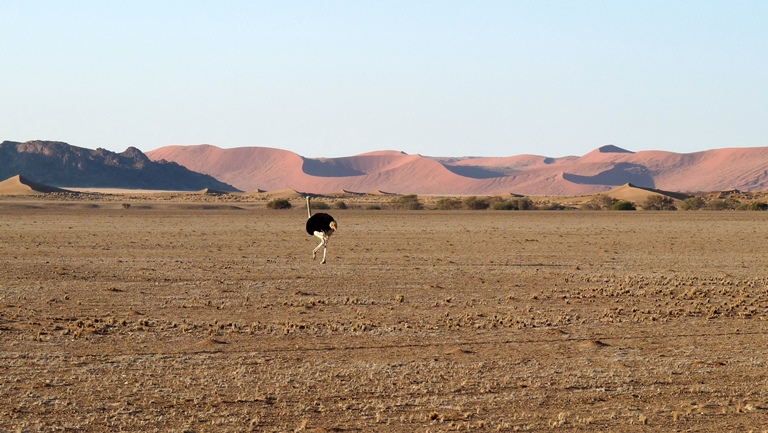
[605,168]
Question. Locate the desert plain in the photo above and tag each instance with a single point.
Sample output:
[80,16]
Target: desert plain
[184,317]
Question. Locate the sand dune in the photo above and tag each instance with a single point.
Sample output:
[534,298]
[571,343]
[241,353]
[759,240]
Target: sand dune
[638,195]
[346,193]
[19,185]
[255,191]
[209,191]
[284,193]
[252,168]
[607,167]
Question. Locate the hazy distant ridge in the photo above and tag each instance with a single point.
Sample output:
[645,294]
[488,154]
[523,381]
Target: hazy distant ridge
[251,168]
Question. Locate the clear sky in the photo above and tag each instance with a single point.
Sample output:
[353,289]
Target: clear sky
[339,78]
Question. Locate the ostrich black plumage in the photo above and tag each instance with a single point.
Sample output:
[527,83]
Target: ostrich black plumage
[321,225]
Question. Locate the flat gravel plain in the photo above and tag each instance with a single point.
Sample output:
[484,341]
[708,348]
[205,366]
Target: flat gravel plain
[184,318]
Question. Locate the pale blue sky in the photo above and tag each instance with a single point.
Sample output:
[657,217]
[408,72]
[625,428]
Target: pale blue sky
[339,78]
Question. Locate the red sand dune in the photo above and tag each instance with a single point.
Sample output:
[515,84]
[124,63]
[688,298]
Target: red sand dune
[605,168]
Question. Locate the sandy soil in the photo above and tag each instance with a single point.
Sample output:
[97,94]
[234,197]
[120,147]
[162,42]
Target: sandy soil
[161,318]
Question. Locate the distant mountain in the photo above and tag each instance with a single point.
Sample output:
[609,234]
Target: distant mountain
[60,164]
[252,168]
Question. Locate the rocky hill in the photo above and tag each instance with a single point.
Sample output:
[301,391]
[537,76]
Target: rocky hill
[60,164]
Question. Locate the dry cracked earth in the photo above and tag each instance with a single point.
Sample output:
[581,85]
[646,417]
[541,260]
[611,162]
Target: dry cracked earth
[178,318]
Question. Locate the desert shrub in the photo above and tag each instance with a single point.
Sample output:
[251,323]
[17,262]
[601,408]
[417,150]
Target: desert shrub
[340,205]
[727,204]
[757,205]
[320,205]
[279,203]
[448,204]
[716,205]
[524,203]
[623,205]
[474,203]
[659,202]
[408,202]
[126,205]
[498,203]
[373,207]
[733,203]
[553,206]
[599,202]
[518,203]
[692,203]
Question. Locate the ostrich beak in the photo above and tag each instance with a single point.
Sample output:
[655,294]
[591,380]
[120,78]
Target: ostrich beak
[334,226]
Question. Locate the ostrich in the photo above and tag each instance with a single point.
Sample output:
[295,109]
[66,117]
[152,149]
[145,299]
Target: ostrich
[321,225]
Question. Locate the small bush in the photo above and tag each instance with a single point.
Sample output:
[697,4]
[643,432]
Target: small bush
[474,203]
[126,205]
[502,204]
[320,205]
[733,203]
[692,203]
[448,204]
[408,202]
[518,203]
[340,205]
[279,203]
[623,205]
[553,206]
[524,203]
[659,202]
[599,202]
[757,205]
[373,207]
[716,205]
[727,204]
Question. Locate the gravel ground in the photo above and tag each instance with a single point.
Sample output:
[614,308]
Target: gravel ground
[215,318]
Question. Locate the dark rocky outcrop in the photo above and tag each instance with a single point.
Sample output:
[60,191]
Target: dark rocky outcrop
[60,164]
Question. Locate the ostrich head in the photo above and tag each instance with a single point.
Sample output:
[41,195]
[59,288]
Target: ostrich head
[333,225]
